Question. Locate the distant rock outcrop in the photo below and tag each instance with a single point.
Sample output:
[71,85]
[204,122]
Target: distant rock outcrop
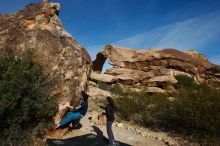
[153,68]
[37,28]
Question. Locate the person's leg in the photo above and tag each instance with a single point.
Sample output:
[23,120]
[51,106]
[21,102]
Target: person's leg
[70,117]
[110,133]
[76,123]
[69,113]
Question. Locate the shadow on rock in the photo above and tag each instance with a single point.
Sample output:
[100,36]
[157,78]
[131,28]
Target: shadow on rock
[84,140]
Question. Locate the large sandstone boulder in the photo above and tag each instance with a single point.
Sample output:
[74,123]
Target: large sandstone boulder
[153,68]
[37,29]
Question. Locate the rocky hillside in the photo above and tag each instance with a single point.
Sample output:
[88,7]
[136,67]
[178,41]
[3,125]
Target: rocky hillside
[37,30]
[154,70]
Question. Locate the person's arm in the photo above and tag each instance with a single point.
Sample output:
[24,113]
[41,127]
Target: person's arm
[102,107]
[78,108]
[70,107]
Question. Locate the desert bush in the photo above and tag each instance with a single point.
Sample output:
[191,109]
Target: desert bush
[194,110]
[185,82]
[114,88]
[24,102]
[103,86]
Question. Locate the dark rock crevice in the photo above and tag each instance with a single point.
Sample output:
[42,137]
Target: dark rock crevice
[99,62]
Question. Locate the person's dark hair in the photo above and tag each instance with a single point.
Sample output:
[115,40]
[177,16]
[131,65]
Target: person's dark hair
[84,95]
[111,102]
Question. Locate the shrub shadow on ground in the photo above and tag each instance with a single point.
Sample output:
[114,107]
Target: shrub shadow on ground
[84,140]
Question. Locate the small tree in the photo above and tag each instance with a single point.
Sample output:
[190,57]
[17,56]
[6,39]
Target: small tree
[24,102]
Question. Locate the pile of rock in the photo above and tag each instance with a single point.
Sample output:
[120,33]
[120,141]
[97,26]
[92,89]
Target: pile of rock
[153,69]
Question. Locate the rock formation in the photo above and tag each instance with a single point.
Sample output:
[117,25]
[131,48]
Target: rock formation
[153,68]
[37,29]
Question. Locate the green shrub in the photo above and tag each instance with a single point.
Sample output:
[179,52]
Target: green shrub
[194,110]
[185,81]
[24,102]
[115,88]
[103,86]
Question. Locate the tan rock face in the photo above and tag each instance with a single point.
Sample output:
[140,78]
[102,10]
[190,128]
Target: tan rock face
[153,68]
[102,77]
[95,92]
[37,28]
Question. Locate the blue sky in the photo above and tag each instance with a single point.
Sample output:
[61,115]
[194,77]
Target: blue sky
[139,24]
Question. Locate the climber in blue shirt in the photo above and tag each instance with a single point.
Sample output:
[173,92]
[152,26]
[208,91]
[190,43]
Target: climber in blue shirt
[78,112]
